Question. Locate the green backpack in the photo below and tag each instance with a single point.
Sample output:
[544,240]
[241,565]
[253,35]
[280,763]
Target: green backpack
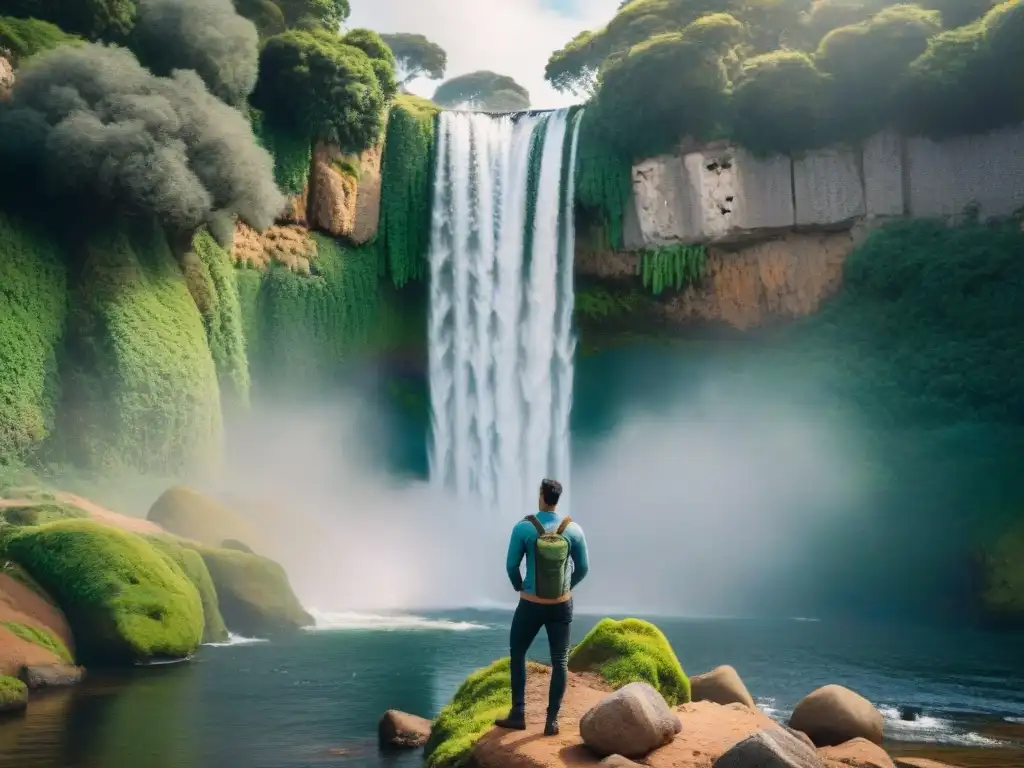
[550,560]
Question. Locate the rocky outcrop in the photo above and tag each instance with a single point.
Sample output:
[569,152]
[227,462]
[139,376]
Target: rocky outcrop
[631,722]
[6,78]
[33,631]
[858,753]
[289,245]
[833,715]
[400,730]
[722,193]
[344,192]
[51,676]
[773,748]
[722,685]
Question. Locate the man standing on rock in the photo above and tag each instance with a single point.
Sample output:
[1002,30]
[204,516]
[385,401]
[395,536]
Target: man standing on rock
[556,561]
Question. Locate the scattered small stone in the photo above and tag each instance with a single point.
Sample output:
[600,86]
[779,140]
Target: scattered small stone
[833,714]
[400,730]
[51,676]
[722,685]
[631,722]
[618,761]
[770,749]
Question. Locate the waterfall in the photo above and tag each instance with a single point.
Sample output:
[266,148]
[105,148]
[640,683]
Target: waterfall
[500,334]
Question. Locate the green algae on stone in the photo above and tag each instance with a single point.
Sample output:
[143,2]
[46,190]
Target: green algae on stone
[632,650]
[255,596]
[123,600]
[192,565]
[13,694]
[44,638]
[483,697]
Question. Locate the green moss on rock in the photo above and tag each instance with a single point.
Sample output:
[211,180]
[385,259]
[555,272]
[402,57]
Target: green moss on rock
[41,637]
[13,694]
[33,306]
[255,596]
[141,389]
[123,600]
[629,650]
[186,512]
[191,564]
[38,513]
[483,697]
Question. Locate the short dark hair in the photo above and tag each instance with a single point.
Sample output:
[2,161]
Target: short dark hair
[550,491]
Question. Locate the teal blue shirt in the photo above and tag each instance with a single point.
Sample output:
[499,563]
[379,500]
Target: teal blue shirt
[521,545]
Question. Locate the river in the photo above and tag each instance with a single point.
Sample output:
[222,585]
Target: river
[314,699]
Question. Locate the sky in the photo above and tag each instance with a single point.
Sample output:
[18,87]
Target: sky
[510,37]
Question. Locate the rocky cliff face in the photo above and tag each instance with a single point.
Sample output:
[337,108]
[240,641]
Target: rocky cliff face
[6,78]
[778,229]
[344,192]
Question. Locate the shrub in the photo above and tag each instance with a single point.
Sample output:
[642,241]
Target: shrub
[123,601]
[632,650]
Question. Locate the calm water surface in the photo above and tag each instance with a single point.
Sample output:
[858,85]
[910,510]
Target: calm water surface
[314,700]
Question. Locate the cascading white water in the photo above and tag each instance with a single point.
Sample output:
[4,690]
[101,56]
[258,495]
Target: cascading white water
[501,300]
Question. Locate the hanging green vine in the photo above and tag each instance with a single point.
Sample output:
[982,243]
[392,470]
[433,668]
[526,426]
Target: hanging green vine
[407,178]
[533,169]
[292,154]
[671,266]
[603,180]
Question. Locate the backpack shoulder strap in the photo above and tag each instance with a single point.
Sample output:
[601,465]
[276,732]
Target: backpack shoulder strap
[536,524]
[563,525]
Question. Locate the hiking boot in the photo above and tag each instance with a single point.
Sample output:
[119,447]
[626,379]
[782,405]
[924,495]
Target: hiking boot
[516,721]
[551,728]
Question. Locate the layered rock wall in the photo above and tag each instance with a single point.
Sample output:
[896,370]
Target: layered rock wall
[723,193]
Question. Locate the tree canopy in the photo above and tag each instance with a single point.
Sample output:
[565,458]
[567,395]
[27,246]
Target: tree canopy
[106,20]
[314,84]
[782,75]
[416,56]
[486,91]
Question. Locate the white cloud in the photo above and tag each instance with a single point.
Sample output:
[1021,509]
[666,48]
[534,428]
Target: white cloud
[511,37]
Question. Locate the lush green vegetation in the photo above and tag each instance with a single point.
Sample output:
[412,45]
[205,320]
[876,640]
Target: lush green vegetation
[483,697]
[223,320]
[255,596]
[483,90]
[27,37]
[124,601]
[794,75]
[103,20]
[630,650]
[44,638]
[407,188]
[603,180]
[194,568]
[35,513]
[671,267]
[139,380]
[33,305]
[416,56]
[13,693]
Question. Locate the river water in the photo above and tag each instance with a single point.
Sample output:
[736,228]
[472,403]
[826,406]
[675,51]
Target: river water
[314,700]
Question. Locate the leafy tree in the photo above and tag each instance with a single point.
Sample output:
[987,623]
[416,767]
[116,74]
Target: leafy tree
[416,56]
[96,20]
[381,58]
[313,85]
[307,14]
[483,91]
[265,14]
[659,91]
[866,60]
[777,103]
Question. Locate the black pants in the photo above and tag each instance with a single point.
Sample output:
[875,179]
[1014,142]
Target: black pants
[529,617]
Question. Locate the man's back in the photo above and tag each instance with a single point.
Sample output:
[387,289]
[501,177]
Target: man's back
[523,544]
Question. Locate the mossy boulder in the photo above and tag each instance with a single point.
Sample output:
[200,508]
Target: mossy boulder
[125,601]
[186,512]
[632,650]
[255,596]
[13,694]
[192,565]
[483,697]
[39,512]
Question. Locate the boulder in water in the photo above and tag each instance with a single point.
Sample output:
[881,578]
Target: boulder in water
[400,730]
[774,748]
[13,695]
[858,753]
[833,714]
[632,722]
[51,676]
[722,685]
[909,713]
